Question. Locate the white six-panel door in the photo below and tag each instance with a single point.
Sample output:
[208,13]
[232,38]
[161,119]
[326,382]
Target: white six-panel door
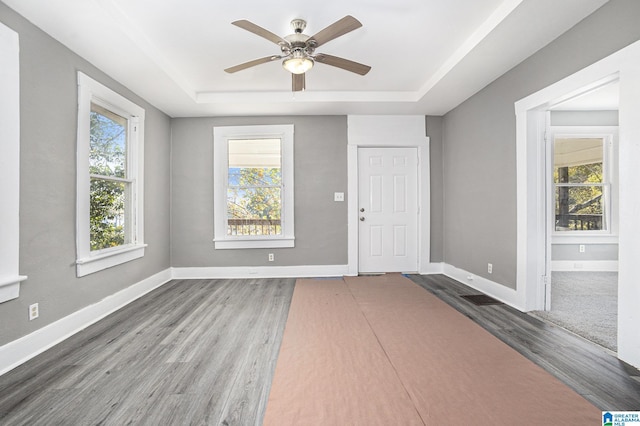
[388,209]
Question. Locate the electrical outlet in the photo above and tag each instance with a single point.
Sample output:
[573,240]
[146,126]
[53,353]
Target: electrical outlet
[271,257]
[490,268]
[34,311]
[338,196]
[582,248]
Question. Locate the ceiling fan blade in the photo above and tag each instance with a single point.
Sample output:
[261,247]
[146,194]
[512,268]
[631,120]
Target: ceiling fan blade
[253,63]
[258,30]
[345,64]
[338,28]
[297,82]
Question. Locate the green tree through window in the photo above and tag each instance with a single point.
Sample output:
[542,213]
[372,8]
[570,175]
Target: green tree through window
[253,186]
[255,201]
[109,178]
[580,184]
[254,191]
[108,174]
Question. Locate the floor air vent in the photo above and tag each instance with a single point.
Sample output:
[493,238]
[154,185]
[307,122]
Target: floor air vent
[481,299]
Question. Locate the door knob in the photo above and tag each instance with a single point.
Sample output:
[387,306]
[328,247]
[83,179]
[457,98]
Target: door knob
[362,209]
[361,218]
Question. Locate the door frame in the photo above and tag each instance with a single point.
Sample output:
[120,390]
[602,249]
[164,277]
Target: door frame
[532,158]
[531,117]
[388,132]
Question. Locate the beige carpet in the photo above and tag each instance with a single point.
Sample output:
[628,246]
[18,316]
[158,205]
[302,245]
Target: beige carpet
[383,351]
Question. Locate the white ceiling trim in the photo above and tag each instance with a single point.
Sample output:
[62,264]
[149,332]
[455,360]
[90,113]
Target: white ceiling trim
[176,71]
[485,29]
[498,16]
[306,96]
[142,42]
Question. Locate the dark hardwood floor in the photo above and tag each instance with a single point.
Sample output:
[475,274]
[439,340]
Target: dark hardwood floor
[591,370]
[204,352]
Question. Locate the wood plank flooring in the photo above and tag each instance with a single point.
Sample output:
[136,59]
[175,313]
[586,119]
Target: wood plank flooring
[204,352]
[191,352]
[587,368]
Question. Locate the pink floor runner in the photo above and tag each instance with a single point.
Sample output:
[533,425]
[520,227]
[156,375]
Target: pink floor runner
[383,351]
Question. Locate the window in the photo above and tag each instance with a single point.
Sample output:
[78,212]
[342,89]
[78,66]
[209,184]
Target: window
[109,186]
[582,184]
[253,187]
[9,164]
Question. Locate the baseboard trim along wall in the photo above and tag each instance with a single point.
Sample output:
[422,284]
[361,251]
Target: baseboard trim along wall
[301,271]
[584,265]
[500,292]
[23,349]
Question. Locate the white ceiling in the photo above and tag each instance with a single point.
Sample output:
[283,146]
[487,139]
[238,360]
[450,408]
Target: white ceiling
[427,56]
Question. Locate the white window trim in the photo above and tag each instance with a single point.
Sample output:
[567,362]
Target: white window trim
[221,136]
[88,262]
[9,164]
[610,136]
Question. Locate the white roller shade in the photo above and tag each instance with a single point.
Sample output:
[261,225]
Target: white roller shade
[254,153]
[577,151]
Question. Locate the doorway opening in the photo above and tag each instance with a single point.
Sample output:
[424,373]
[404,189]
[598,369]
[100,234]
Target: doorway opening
[581,185]
[531,112]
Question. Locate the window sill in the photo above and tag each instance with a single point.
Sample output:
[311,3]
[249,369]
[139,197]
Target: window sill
[104,260]
[253,243]
[10,287]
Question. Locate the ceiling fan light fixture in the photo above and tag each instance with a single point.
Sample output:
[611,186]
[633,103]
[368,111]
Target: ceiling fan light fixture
[298,49]
[298,63]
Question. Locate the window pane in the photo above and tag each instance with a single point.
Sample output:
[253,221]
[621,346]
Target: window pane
[578,160]
[579,208]
[107,211]
[254,192]
[108,143]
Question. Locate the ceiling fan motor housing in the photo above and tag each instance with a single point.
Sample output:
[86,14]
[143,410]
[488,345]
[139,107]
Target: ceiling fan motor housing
[299,42]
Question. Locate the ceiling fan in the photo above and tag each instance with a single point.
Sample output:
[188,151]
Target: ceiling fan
[298,49]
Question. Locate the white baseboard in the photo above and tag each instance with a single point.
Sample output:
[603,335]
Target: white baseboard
[500,292]
[301,271]
[23,349]
[433,268]
[585,265]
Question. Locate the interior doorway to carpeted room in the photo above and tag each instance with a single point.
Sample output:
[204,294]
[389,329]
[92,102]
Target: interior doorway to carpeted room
[586,303]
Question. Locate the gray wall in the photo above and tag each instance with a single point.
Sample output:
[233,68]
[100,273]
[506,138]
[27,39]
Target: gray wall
[592,252]
[479,148]
[320,163]
[48,111]
[434,126]
[476,187]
